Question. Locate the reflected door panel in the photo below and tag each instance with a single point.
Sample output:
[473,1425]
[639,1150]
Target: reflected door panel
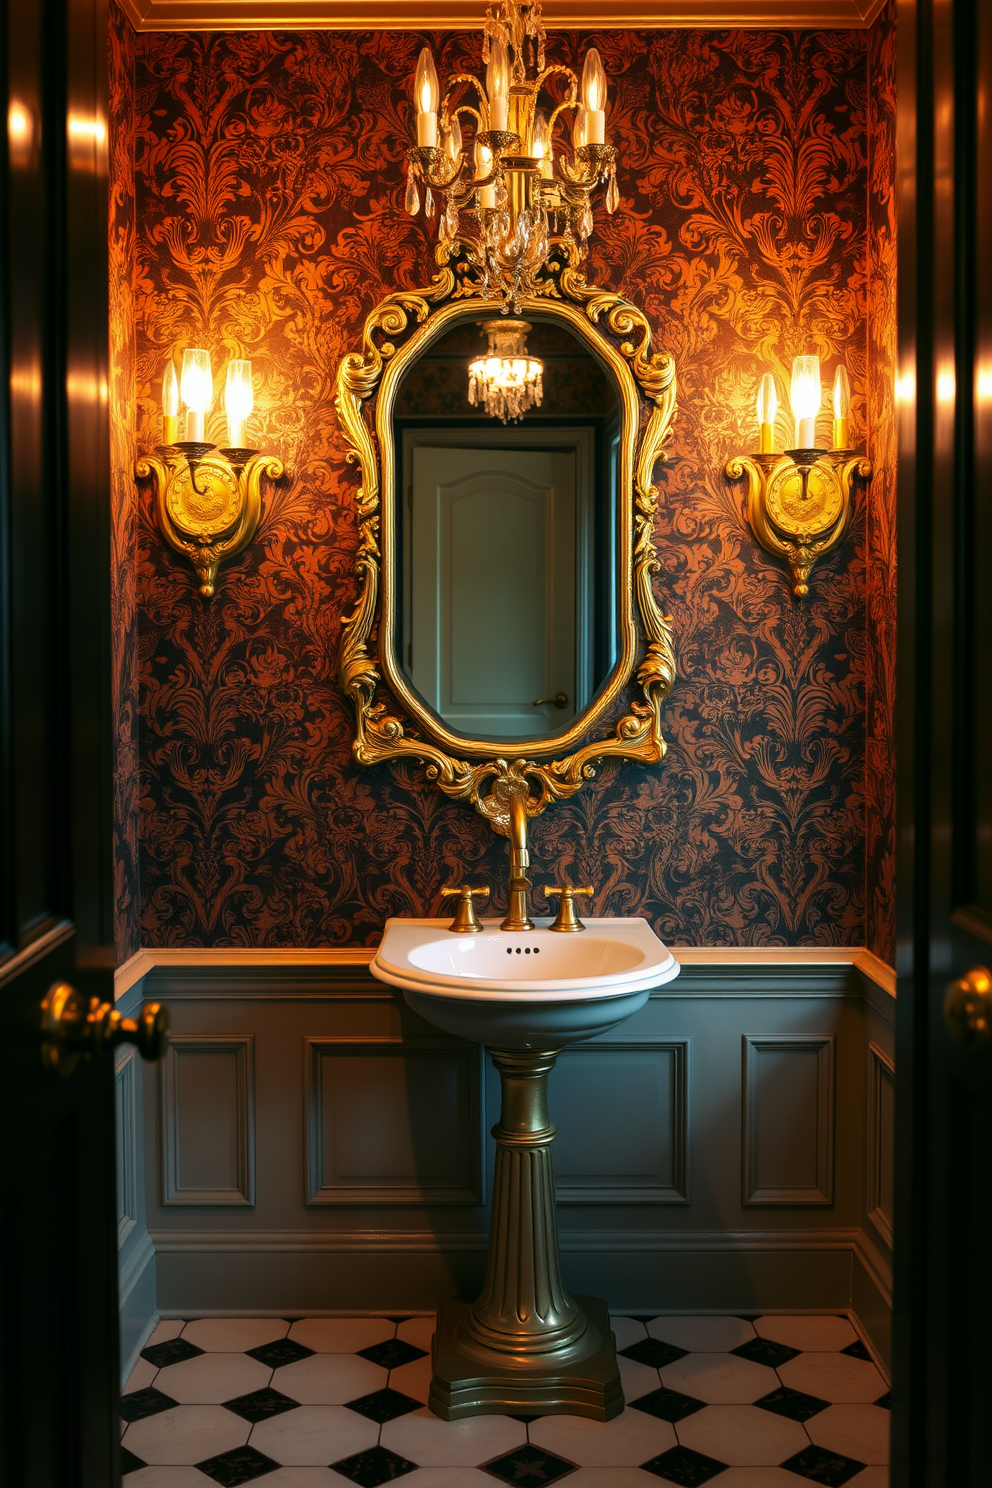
[492,590]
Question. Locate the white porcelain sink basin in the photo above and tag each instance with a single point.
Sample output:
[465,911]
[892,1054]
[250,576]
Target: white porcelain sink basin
[533,989]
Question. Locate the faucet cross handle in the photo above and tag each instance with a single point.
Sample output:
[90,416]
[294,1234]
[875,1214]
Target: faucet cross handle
[466,921]
[567,920]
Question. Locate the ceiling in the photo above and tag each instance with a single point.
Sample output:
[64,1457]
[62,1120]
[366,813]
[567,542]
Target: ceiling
[448,15]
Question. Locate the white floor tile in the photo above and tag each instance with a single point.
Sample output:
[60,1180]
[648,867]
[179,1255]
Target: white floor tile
[234,1335]
[707,1335]
[637,1379]
[329,1379]
[419,1331]
[451,1477]
[210,1379]
[424,1438]
[166,1477]
[758,1477]
[167,1329]
[413,1379]
[859,1431]
[819,1333]
[627,1331]
[834,1377]
[314,1435]
[872,1477]
[341,1335]
[189,1433]
[742,1435]
[608,1477]
[140,1377]
[307,1477]
[627,1441]
[719,1379]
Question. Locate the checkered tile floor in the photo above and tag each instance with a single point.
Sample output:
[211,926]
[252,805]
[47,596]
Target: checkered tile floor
[310,1403]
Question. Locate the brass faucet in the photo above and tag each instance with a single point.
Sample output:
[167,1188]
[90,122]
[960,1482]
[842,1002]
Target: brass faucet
[517,917]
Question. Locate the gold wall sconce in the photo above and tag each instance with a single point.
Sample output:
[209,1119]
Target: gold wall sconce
[799,501]
[208,501]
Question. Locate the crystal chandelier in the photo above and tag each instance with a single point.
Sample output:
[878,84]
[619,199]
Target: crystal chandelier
[506,382]
[518,188]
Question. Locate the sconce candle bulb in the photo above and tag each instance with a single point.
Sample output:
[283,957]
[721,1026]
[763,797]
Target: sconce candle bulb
[541,143]
[483,166]
[594,97]
[239,400]
[498,85]
[428,95]
[806,396]
[767,409]
[196,388]
[842,408]
[170,403]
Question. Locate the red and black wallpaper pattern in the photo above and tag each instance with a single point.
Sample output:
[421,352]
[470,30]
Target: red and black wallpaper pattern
[268,220]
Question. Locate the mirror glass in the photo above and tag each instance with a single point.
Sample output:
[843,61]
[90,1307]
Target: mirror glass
[506,536]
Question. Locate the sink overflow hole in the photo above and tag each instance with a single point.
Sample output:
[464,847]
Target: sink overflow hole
[527,950]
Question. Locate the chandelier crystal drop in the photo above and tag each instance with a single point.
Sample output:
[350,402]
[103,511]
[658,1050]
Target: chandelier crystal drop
[515,158]
[506,382]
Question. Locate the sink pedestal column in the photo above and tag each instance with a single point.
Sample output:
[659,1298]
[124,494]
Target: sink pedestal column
[525,1347]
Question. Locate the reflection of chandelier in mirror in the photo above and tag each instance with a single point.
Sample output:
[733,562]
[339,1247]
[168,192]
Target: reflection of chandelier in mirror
[507,381]
[526,193]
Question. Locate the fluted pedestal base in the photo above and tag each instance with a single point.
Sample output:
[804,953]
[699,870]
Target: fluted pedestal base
[473,1381]
[525,1346]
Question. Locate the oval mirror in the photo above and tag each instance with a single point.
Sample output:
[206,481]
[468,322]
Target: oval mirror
[506,527]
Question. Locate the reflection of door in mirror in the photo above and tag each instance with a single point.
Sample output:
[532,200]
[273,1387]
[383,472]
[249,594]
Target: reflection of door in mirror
[496,537]
[506,542]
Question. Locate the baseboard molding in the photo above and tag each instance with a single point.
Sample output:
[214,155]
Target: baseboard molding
[871,1298]
[137,1308]
[431,1242]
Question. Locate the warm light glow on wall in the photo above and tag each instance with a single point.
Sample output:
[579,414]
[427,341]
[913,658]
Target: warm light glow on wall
[20,132]
[946,385]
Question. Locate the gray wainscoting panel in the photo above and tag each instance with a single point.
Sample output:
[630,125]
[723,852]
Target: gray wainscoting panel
[127,1144]
[135,1252]
[788,1119]
[208,1120]
[637,1087]
[881,1140]
[393,1121]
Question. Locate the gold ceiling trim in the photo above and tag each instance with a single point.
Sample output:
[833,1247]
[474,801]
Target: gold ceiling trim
[463,15]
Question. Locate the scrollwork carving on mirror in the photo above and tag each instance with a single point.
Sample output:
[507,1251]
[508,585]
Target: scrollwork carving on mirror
[482,773]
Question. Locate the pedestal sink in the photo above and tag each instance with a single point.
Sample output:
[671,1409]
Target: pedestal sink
[526,1346]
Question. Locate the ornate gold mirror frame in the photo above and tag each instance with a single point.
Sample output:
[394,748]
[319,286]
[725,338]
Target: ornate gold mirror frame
[396,332]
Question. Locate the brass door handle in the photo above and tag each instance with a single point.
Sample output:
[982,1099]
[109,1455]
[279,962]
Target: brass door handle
[560,700]
[968,1008]
[74,1027]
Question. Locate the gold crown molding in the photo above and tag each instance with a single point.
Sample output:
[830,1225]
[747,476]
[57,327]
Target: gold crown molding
[463,15]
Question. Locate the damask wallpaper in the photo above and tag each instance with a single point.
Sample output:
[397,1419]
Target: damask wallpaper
[756,223]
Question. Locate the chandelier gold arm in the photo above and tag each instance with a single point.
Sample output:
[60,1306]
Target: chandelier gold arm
[379,734]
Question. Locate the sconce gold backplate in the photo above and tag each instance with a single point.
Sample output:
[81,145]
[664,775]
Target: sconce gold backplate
[207,510]
[75,1027]
[795,522]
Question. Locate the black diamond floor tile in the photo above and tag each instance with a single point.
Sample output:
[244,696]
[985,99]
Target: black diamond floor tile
[667,1405]
[376,1465]
[525,1420]
[142,1403]
[130,1463]
[653,1352]
[764,1351]
[684,1466]
[528,1467]
[885,1401]
[792,1403]
[282,1351]
[239,1465]
[857,1350]
[259,1405]
[392,1353]
[383,1405]
[832,1469]
[397,1320]
[173,1351]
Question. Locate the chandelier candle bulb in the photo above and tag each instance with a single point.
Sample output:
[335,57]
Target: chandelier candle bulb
[498,85]
[239,400]
[541,145]
[196,388]
[842,408]
[483,165]
[806,396]
[594,98]
[427,95]
[170,403]
[767,409]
